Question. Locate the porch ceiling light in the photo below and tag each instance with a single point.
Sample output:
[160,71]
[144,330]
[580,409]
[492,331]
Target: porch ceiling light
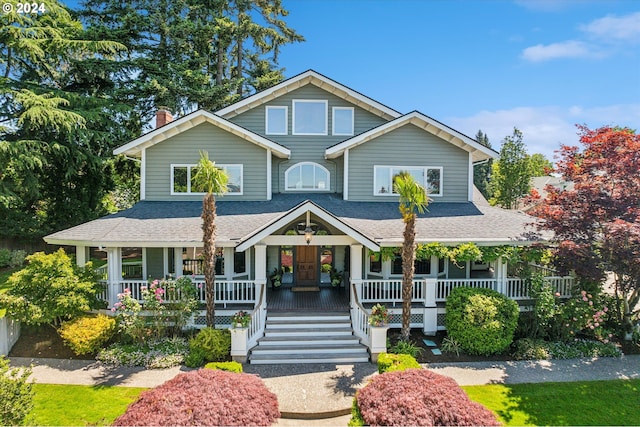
[308,233]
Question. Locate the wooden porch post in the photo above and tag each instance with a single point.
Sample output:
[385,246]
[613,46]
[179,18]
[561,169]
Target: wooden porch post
[82,255]
[114,274]
[177,261]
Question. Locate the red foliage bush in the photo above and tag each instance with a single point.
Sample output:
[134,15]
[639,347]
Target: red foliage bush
[419,397]
[204,397]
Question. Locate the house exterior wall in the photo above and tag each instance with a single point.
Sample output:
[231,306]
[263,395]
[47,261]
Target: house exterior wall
[223,148]
[155,262]
[307,147]
[408,146]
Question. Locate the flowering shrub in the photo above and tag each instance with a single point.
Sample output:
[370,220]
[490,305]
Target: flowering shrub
[204,397]
[182,300]
[419,397]
[87,335]
[130,323]
[154,354]
[379,315]
[581,314]
[240,319]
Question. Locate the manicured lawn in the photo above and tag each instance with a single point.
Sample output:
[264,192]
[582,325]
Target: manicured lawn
[606,403]
[75,405]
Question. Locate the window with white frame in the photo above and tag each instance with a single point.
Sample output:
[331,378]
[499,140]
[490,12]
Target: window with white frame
[182,179]
[342,119]
[306,176]
[276,120]
[430,177]
[309,117]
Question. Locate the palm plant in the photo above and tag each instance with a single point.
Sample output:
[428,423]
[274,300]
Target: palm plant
[413,198]
[210,180]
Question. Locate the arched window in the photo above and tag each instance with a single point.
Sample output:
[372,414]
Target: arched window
[306,176]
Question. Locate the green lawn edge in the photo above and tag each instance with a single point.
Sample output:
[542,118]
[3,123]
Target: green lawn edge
[582,403]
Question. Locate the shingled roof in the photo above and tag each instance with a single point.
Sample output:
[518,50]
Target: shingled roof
[174,223]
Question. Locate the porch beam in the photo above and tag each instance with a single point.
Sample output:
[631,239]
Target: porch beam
[339,240]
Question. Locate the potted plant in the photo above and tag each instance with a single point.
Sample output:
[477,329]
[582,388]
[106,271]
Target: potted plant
[240,319]
[276,278]
[379,315]
[336,278]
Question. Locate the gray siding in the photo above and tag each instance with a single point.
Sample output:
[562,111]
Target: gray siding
[408,146]
[223,148]
[305,147]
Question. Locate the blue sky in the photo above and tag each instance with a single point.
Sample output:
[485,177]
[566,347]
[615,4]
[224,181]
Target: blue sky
[541,66]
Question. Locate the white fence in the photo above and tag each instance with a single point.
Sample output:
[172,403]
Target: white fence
[9,334]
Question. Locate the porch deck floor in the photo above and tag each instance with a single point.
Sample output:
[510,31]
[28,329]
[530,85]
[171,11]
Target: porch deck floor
[326,299]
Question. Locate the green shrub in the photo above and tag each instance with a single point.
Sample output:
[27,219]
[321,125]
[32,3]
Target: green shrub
[482,321]
[152,354]
[531,349]
[449,345]
[87,335]
[406,347]
[225,366]
[9,258]
[356,419]
[210,345]
[16,394]
[388,362]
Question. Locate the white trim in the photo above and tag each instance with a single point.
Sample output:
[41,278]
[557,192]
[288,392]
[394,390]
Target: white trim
[325,130]
[192,120]
[300,164]
[297,212]
[470,191]
[298,240]
[303,79]
[345,177]
[165,261]
[269,177]
[479,151]
[189,168]
[286,119]
[143,174]
[333,120]
[425,171]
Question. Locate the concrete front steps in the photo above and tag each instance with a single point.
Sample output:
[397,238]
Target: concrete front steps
[308,337]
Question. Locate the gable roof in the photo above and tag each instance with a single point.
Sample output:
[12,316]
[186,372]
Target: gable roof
[478,151]
[192,120]
[315,78]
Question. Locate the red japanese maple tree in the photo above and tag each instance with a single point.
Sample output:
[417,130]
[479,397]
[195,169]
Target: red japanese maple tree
[596,220]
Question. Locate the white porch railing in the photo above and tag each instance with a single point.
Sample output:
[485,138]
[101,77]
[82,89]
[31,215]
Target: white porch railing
[258,318]
[359,315]
[390,291]
[226,291]
[387,291]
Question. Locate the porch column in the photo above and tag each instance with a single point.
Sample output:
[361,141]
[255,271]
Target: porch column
[430,316]
[261,263]
[114,274]
[501,276]
[177,261]
[228,263]
[82,255]
[356,262]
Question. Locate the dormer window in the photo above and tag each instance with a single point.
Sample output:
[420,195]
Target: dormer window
[306,176]
[310,117]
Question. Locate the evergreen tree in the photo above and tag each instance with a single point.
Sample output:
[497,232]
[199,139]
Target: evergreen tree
[482,171]
[511,174]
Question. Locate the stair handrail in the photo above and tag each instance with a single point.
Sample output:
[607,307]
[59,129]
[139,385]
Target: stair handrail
[258,318]
[359,317]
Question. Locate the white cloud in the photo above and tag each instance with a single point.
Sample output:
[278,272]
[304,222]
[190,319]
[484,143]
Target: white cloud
[545,128]
[566,49]
[625,28]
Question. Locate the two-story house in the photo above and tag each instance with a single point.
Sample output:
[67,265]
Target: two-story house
[308,154]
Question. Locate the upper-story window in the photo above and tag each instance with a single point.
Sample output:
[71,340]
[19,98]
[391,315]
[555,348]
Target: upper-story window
[306,176]
[342,120]
[309,117]
[276,120]
[429,176]
[182,179]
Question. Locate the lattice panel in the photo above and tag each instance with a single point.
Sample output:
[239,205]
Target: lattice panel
[441,319]
[220,320]
[397,318]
